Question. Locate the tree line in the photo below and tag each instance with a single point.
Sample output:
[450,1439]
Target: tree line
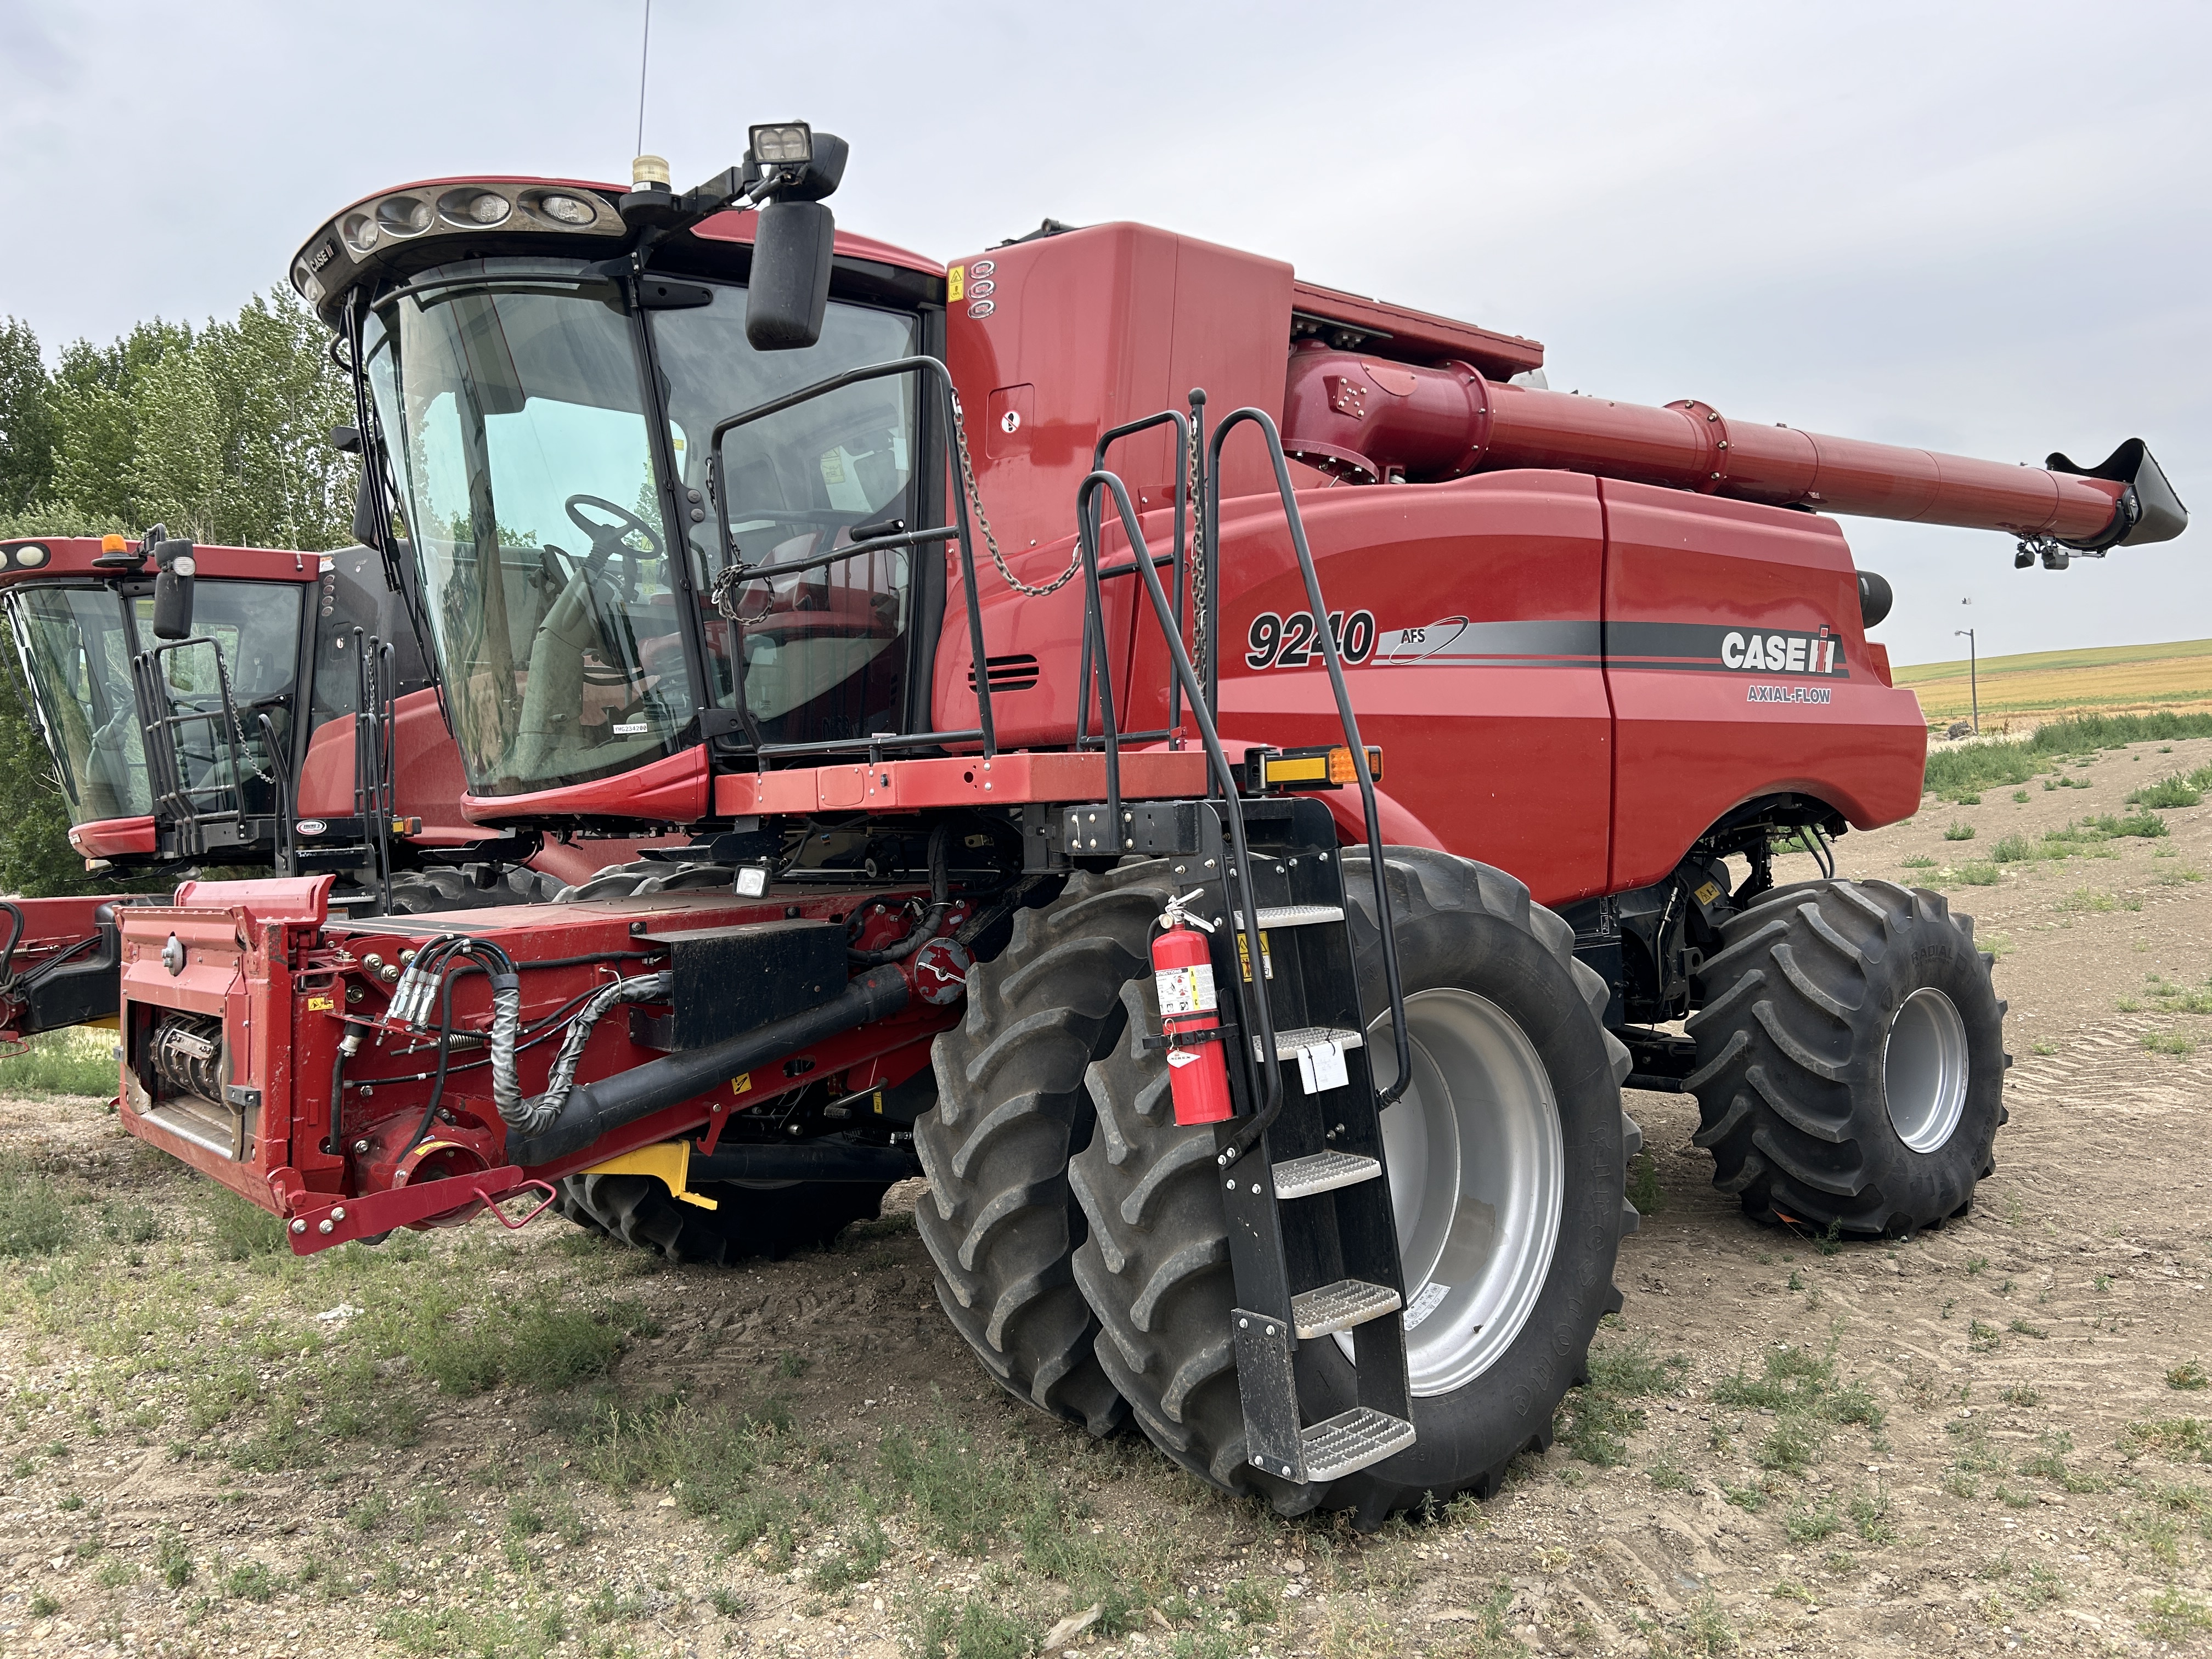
[221,434]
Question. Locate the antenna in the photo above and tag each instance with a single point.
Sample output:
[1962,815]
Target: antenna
[644,56]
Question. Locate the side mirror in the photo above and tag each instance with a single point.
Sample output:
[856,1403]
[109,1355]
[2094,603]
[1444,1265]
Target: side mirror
[364,514]
[172,591]
[790,284]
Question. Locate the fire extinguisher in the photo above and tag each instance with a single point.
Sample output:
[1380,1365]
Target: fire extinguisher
[1182,969]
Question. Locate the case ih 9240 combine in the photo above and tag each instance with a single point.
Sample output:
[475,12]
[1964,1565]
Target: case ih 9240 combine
[1004,685]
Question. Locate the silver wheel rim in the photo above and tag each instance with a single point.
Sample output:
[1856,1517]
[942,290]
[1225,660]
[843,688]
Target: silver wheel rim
[1478,1174]
[1924,1070]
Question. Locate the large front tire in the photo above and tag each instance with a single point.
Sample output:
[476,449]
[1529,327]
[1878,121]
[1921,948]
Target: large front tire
[1850,1058]
[1506,1158]
[1011,1111]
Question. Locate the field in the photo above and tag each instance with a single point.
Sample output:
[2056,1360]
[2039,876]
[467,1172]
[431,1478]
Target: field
[2042,685]
[1991,1437]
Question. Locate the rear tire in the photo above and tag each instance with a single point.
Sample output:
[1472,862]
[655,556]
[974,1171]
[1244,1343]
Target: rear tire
[1486,973]
[1011,1111]
[1850,1058]
[764,1222]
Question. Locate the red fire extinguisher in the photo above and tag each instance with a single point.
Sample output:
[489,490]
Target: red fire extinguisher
[1182,969]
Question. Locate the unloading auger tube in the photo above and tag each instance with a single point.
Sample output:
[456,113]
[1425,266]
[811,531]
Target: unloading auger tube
[1369,421]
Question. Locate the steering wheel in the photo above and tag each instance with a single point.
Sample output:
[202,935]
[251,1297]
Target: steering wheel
[606,536]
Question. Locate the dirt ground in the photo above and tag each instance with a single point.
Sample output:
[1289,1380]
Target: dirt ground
[1995,1437]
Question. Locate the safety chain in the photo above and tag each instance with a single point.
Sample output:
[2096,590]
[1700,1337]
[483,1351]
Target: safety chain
[724,592]
[982,523]
[1197,559]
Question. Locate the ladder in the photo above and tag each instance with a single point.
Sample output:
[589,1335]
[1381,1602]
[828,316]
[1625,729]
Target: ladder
[1313,1239]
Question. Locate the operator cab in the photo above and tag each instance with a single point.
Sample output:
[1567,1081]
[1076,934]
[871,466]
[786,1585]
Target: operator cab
[544,376]
[227,693]
[170,749]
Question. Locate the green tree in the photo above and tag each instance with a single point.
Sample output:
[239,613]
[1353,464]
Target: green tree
[27,419]
[95,404]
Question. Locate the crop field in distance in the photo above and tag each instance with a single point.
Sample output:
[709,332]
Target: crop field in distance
[2043,685]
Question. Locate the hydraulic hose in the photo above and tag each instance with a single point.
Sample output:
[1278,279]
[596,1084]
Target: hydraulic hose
[505,1028]
[593,1108]
[527,1117]
[940,901]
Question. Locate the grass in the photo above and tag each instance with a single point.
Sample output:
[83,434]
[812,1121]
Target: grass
[33,1220]
[2179,789]
[1969,768]
[2177,1439]
[2188,1376]
[1643,1184]
[1800,1386]
[1956,830]
[79,1061]
[1595,1419]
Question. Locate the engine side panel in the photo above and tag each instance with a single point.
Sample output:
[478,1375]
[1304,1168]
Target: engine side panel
[1471,610]
[1703,719]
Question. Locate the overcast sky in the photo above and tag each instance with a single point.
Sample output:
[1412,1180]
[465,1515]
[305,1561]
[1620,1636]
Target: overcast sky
[1984,229]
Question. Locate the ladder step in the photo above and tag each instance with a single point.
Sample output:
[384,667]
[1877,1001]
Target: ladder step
[1287,1043]
[1352,1440]
[1292,915]
[1340,1306]
[1323,1172]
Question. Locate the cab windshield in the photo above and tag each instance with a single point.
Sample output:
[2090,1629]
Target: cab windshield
[76,645]
[554,585]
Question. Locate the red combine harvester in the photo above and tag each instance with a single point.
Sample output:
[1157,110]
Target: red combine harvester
[237,706]
[1085,817]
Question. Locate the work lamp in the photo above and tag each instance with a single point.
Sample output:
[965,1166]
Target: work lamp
[788,145]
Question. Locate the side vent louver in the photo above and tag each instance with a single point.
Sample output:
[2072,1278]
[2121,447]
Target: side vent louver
[1017,673]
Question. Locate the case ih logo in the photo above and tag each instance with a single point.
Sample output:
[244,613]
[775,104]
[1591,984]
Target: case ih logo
[1784,654]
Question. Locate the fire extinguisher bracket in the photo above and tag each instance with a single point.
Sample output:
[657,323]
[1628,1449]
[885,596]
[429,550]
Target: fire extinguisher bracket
[1190,1039]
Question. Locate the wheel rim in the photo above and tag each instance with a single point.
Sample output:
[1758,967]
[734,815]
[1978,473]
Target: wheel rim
[1924,1070]
[1478,1174]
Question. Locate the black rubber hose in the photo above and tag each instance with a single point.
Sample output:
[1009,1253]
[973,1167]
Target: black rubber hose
[14,939]
[593,1108]
[940,901]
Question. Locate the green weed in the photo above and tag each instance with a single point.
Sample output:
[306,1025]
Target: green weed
[974,1629]
[2177,1439]
[79,1061]
[1643,1184]
[1957,829]
[33,1220]
[2168,791]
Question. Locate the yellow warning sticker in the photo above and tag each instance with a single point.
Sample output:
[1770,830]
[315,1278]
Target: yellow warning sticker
[1244,956]
[742,1085]
[956,283]
[322,1005]
[1708,893]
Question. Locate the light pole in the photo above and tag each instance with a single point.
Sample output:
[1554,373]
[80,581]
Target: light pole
[1973,690]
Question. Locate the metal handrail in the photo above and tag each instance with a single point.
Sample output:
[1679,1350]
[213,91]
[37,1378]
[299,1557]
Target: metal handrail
[929,367]
[1184,458]
[165,776]
[1326,637]
[1259,1014]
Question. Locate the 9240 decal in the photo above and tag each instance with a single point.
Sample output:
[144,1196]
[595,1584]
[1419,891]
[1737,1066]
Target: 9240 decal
[1290,641]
